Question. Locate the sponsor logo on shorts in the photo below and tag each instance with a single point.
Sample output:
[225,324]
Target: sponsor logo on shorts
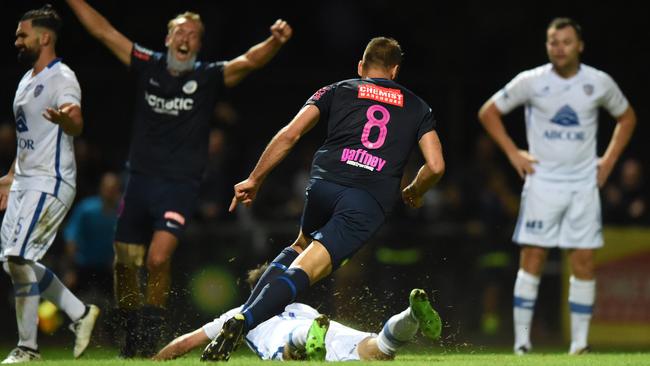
[379,94]
[534,225]
[175,216]
[172,225]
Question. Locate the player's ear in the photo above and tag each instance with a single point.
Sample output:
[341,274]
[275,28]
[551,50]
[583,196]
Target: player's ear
[581,46]
[168,39]
[393,72]
[360,68]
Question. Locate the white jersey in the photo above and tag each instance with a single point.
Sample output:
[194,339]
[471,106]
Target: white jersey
[45,154]
[562,119]
[269,338]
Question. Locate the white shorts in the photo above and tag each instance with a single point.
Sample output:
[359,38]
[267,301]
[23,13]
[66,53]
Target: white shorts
[30,224]
[552,216]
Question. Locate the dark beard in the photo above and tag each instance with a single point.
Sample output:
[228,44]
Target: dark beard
[27,57]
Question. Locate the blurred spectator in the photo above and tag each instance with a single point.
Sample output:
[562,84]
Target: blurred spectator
[89,240]
[625,199]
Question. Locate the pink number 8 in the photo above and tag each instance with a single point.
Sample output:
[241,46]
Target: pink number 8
[373,122]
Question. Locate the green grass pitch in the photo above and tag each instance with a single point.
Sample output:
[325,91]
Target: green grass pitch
[107,357]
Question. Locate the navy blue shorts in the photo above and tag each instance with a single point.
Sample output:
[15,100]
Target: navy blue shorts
[153,203]
[342,218]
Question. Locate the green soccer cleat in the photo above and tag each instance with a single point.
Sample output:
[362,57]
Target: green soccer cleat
[430,323]
[315,345]
[227,341]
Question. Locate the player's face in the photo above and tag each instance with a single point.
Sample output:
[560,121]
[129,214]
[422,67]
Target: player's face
[563,47]
[27,43]
[184,41]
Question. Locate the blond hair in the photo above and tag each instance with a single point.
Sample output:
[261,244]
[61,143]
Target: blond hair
[188,15]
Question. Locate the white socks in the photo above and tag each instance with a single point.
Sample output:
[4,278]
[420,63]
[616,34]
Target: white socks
[27,298]
[54,290]
[525,295]
[398,330]
[582,295]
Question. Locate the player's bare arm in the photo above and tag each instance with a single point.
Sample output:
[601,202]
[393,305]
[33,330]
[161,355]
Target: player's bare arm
[181,345]
[100,28]
[490,118]
[5,185]
[275,152]
[430,172]
[257,56]
[625,125]
[68,116]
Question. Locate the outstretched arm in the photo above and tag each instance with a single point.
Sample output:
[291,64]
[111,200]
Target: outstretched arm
[101,29]
[5,185]
[182,345]
[258,55]
[490,118]
[274,153]
[621,136]
[429,174]
[68,116]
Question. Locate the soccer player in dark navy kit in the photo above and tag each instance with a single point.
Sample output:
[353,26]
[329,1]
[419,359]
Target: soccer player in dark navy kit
[373,124]
[175,98]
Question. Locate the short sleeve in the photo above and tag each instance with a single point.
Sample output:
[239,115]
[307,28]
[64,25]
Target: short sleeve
[142,57]
[517,92]
[613,99]
[322,99]
[428,124]
[68,92]
[215,70]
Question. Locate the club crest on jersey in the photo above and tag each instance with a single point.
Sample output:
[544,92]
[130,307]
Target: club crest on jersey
[588,88]
[190,87]
[38,90]
[566,116]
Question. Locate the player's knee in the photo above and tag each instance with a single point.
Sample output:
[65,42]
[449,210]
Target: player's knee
[18,269]
[300,243]
[157,262]
[129,255]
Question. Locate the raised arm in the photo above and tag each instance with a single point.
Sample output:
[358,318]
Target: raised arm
[625,125]
[258,55]
[101,29]
[490,118]
[430,172]
[274,153]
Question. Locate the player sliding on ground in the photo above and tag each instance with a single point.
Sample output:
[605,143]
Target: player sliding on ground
[300,332]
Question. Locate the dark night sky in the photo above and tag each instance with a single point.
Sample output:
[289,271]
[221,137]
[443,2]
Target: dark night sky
[457,54]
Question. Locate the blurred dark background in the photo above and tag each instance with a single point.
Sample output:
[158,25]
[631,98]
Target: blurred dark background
[457,54]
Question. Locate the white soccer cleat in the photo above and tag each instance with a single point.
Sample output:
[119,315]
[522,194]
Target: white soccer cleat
[522,350]
[83,329]
[20,355]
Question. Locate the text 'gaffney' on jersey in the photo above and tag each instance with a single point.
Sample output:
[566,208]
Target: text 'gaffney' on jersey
[172,117]
[372,126]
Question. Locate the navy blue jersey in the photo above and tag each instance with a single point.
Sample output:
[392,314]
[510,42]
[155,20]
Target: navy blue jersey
[372,126]
[172,116]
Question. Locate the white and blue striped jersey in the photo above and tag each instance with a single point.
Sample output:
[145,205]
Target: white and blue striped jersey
[562,119]
[45,154]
